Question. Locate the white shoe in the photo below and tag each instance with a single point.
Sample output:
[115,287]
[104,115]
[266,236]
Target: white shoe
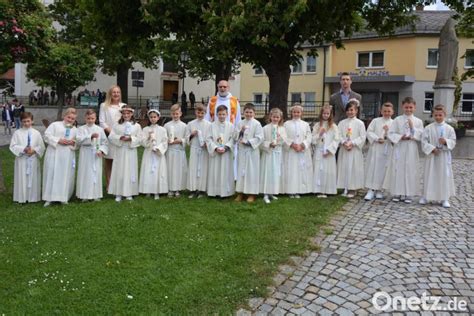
[273,197]
[297,196]
[129,198]
[408,200]
[422,201]
[350,195]
[46,204]
[118,198]
[266,199]
[201,195]
[191,195]
[292,196]
[369,196]
[177,194]
[322,196]
[157,196]
[446,204]
[379,195]
[170,194]
[396,198]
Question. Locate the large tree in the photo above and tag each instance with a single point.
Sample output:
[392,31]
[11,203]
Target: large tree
[113,29]
[25,32]
[270,34]
[65,67]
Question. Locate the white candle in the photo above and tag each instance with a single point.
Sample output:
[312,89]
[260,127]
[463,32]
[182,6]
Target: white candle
[172,133]
[127,129]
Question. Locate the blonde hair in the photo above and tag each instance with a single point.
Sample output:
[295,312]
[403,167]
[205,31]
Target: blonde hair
[294,107]
[90,112]
[70,111]
[108,97]
[439,107]
[200,107]
[275,111]
[330,119]
[175,107]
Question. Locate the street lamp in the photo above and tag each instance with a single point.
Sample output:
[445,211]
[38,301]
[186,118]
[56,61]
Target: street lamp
[183,58]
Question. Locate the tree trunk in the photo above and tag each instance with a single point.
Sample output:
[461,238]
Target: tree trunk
[61,102]
[122,81]
[279,78]
[2,180]
[223,71]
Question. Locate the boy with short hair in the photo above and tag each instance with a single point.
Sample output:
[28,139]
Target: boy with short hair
[437,143]
[28,146]
[220,145]
[402,179]
[380,151]
[196,133]
[94,145]
[176,155]
[248,134]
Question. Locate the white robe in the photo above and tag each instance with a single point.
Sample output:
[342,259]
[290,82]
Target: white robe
[324,168]
[27,178]
[108,117]
[89,171]
[297,166]
[198,155]
[220,180]
[124,177]
[402,176]
[154,170]
[439,179]
[379,154]
[271,160]
[59,164]
[223,101]
[176,156]
[248,156]
[350,163]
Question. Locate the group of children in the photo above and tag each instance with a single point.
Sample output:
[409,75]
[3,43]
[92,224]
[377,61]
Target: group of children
[280,158]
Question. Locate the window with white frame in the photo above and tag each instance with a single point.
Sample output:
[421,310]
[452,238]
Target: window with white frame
[258,70]
[429,96]
[370,59]
[469,58]
[467,102]
[297,68]
[310,99]
[433,56]
[310,63]
[258,98]
[295,97]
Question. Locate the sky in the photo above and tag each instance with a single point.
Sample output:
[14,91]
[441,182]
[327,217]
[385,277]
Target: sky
[438,6]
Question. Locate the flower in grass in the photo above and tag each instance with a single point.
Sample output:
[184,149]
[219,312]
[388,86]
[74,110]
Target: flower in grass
[129,296]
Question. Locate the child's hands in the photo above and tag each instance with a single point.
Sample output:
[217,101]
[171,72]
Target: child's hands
[435,151]
[125,138]
[220,150]
[405,137]
[381,140]
[95,135]
[385,128]
[100,154]
[442,140]
[410,123]
[322,130]
[63,141]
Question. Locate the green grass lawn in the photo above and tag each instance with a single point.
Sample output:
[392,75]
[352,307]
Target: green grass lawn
[175,256]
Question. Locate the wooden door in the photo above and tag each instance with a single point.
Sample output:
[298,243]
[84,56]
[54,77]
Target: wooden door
[169,87]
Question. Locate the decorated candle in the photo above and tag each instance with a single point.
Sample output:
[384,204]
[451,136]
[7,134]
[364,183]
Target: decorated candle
[128,129]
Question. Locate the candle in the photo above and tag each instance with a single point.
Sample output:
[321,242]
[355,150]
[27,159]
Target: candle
[153,138]
[441,135]
[274,133]
[28,141]
[172,133]
[220,140]
[349,133]
[127,129]
[68,131]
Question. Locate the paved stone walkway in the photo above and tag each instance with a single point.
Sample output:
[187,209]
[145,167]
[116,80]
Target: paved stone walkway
[403,250]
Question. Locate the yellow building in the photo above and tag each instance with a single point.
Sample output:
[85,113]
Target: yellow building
[382,69]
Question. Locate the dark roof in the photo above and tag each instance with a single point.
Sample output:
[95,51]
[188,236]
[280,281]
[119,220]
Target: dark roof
[426,22]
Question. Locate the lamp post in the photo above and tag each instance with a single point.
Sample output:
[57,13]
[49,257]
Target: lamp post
[183,60]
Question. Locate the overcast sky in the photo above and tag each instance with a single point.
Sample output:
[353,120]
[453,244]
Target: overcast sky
[438,6]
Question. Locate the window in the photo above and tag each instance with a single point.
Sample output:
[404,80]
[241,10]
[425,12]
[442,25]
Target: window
[428,102]
[295,97]
[310,99]
[370,59]
[258,98]
[467,102]
[298,68]
[469,58]
[433,56]
[258,70]
[310,64]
